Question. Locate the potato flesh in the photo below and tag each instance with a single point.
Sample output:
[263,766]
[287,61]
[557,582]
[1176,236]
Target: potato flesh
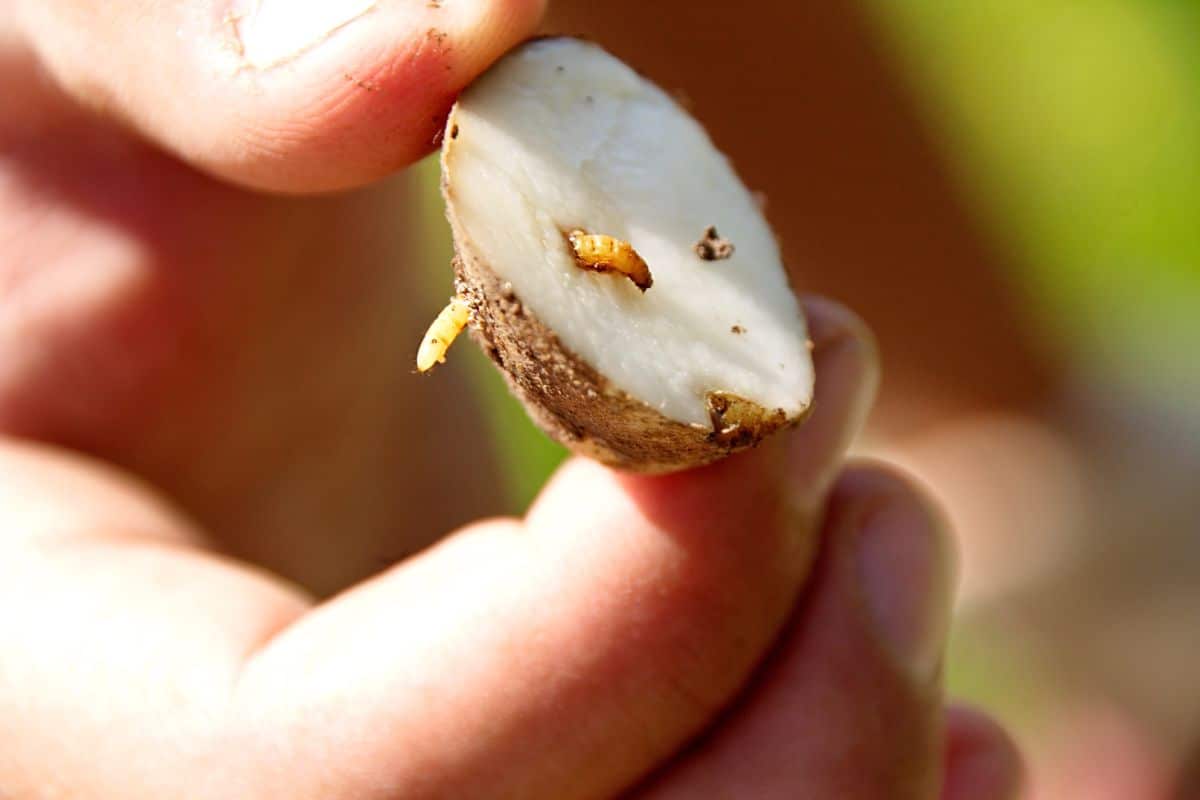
[562,136]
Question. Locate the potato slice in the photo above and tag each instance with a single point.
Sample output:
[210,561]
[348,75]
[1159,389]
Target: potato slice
[585,204]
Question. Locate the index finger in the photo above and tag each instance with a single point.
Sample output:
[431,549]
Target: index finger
[278,94]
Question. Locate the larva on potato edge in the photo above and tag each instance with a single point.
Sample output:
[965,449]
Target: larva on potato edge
[442,333]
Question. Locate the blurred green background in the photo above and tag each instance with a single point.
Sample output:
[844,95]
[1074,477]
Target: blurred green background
[1075,128]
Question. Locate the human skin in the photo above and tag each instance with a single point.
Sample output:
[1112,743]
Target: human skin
[190,370]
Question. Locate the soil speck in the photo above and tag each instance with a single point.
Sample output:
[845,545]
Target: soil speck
[712,247]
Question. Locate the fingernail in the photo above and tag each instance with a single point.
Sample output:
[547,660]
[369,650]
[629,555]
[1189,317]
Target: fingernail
[904,569]
[274,31]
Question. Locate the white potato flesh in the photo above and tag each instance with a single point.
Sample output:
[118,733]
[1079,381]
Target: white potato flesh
[562,136]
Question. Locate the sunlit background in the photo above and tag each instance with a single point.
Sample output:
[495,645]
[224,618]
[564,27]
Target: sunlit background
[1009,192]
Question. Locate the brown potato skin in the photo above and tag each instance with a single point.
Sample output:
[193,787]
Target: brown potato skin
[573,403]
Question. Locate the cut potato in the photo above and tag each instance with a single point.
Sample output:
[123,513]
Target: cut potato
[585,204]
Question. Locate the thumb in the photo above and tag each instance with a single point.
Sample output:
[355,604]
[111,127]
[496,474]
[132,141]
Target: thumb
[286,95]
[850,703]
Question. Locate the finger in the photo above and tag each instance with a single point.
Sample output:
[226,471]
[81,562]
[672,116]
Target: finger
[120,637]
[849,704]
[577,649]
[599,635]
[846,389]
[981,761]
[278,94]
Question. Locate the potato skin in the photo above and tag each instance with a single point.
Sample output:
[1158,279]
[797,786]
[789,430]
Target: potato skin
[573,403]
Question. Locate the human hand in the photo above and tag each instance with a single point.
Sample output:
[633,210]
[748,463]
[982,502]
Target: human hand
[631,634]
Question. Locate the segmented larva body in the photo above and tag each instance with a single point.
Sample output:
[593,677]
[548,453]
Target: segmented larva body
[442,333]
[608,254]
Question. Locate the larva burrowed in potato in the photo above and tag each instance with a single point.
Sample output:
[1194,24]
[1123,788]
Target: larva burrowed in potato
[584,203]
[608,254]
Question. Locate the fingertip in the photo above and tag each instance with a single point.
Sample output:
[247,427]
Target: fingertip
[775,490]
[982,761]
[894,561]
[371,96]
[834,710]
[485,30]
[724,494]
[736,505]
[830,321]
[280,95]
[868,481]
[846,361]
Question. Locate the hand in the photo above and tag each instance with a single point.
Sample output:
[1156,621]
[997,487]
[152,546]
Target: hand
[767,627]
